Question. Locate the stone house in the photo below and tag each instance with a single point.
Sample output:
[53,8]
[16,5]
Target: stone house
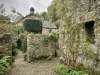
[80,38]
[49,26]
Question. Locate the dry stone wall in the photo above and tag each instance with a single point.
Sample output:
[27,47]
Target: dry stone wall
[6,45]
[37,47]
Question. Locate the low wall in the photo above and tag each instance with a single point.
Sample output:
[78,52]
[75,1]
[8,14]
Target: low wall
[5,45]
[37,47]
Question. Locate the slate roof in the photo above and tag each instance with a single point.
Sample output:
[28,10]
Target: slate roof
[49,25]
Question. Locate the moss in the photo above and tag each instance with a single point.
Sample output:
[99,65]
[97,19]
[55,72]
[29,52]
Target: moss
[81,67]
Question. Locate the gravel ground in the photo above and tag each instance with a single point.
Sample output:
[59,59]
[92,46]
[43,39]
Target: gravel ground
[37,67]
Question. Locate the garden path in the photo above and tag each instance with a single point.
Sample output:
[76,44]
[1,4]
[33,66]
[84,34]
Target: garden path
[37,67]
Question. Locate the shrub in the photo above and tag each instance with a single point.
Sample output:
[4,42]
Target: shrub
[23,38]
[25,56]
[17,30]
[63,70]
[5,29]
[13,58]
[31,25]
[46,39]
[4,65]
[54,36]
[14,52]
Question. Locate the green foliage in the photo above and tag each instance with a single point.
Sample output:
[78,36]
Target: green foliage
[52,10]
[17,30]
[33,25]
[87,48]
[14,51]
[13,58]
[73,72]
[63,70]
[14,54]
[5,29]
[25,56]
[49,57]
[54,36]
[46,39]
[3,19]
[43,14]
[4,65]
[23,38]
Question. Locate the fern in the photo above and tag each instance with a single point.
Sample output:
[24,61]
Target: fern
[4,65]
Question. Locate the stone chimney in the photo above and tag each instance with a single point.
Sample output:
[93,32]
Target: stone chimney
[51,19]
[32,10]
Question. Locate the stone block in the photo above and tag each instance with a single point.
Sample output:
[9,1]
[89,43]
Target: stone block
[90,63]
[84,62]
[79,59]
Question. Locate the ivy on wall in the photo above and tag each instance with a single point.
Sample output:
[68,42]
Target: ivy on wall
[31,25]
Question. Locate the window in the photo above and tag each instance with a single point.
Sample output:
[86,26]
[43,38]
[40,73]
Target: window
[50,30]
[89,30]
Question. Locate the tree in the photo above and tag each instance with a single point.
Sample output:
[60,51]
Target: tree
[2,9]
[43,14]
[52,9]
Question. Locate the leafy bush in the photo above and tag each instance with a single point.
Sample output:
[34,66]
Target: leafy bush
[31,25]
[4,65]
[46,39]
[17,30]
[25,56]
[3,19]
[14,52]
[23,38]
[54,36]
[5,29]
[63,70]
[13,58]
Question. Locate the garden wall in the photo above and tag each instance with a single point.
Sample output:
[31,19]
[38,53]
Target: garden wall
[5,45]
[39,46]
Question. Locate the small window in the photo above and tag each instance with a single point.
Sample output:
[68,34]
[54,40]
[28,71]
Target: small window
[50,30]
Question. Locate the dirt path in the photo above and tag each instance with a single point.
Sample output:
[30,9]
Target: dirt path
[38,67]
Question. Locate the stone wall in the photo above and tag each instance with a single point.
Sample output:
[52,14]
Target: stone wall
[79,38]
[6,45]
[38,47]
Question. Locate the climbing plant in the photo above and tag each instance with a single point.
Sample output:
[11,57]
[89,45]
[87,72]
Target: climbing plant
[31,25]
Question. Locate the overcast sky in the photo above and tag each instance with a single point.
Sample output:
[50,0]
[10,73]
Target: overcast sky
[23,6]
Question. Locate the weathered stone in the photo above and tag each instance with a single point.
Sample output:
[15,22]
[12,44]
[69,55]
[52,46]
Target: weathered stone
[71,41]
[37,48]
[6,45]
[79,59]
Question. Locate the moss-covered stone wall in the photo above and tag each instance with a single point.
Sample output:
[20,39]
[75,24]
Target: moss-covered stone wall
[5,45]
[79,34]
